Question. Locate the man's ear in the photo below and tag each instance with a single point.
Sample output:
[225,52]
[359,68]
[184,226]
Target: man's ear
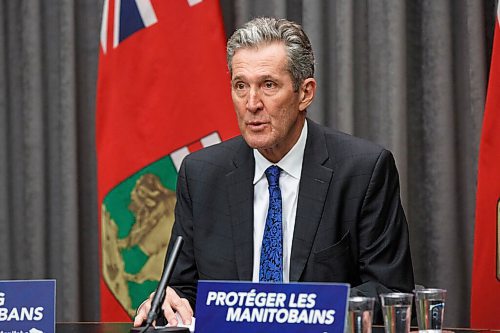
[307,91]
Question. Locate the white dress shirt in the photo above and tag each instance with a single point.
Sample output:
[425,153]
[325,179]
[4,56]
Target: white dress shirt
[291,166]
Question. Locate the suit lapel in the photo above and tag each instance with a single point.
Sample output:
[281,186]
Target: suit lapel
[239,183]
[314,184]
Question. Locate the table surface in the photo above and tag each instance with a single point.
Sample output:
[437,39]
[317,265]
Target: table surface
[91,327]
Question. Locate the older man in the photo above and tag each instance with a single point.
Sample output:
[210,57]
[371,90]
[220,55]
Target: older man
[288,200]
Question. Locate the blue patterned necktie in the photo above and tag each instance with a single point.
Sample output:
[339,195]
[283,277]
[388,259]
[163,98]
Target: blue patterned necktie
[271,255]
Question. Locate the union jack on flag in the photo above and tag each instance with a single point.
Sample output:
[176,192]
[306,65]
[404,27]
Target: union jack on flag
[129,16]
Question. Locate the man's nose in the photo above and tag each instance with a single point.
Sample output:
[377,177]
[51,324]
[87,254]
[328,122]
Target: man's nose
[254,102]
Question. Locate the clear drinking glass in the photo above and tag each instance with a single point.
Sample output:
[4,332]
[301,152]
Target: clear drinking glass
[360,315]
[430,309]
[396,308]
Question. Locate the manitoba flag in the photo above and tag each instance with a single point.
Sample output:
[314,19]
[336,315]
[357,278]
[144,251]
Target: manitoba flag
[163,91]
[485,302]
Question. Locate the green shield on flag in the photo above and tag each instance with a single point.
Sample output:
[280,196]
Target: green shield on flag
[136,221]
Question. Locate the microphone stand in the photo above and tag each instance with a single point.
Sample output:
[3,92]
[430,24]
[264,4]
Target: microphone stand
[159,296]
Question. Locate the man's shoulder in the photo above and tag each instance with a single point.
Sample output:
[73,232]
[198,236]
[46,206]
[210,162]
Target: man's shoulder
[348,152]
[221,153]
[341,142]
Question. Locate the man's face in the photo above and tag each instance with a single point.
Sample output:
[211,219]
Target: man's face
[270,113]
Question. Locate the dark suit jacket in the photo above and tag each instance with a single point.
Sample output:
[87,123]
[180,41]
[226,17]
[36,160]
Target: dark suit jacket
[350,226]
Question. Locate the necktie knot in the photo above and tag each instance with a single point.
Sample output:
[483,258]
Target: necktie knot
[273,175]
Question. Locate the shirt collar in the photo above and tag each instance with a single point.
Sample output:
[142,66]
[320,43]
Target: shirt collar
[291,163]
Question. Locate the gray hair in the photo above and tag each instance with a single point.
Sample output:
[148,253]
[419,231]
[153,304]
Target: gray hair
[266,30]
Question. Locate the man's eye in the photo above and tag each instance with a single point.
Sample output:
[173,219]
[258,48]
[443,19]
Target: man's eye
[269,84]
[239,85]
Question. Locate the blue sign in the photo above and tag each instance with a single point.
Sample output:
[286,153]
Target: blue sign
[27,306]
[231,306]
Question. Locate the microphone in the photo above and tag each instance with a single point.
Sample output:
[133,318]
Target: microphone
[159,296]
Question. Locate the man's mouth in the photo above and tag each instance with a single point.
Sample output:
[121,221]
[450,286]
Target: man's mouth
[256,125]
